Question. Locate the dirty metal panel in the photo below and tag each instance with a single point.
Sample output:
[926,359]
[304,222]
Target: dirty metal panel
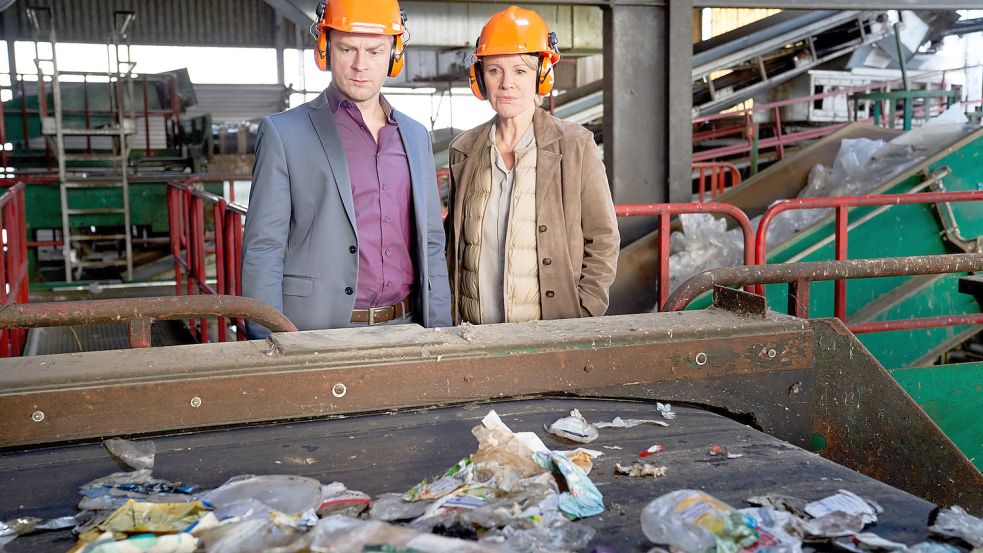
[390,452]
[319,373]
[864,420]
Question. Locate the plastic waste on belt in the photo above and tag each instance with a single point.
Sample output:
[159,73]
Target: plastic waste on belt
[575,427]
[957,523]
[136,455]
[619,422]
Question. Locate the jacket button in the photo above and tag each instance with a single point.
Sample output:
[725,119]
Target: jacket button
[550,294]
[547,261]
[352,249]
[542,228]
[349,291]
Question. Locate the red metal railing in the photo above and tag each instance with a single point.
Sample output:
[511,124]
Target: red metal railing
[715,174]
[13,263]
[780,140]
[190,245]
[842,204]
[665,211]
[799,276]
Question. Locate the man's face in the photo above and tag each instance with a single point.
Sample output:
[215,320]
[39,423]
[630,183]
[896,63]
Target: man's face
[359,63]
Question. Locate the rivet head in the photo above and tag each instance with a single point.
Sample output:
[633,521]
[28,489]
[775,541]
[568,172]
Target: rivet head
[772,353]
[588,368]
[701,359]
[196,402]
[37,416]
[339,390]
[469,378]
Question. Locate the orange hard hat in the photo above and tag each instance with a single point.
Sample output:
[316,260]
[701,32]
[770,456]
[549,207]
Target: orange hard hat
[376,17]
[517,31]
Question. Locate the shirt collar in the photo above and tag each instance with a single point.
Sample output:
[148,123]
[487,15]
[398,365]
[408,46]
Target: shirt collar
[336,100]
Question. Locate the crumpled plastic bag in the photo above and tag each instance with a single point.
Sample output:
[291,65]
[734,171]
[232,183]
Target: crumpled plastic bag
[619,422]
[261,534]
[285,493]
[957,523]
[159,518]
[504,458]
[704,244]
[583,498]
[112,491]
[575,428]
[137,455]
[337,534]
[847,502]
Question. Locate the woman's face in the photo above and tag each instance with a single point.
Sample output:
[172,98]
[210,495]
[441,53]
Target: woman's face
[510,84]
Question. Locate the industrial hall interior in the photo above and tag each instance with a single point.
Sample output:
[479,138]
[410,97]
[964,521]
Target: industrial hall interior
[475,276]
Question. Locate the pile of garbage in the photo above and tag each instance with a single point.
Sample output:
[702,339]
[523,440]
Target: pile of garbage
[861,165]
[691,521]
[512,494]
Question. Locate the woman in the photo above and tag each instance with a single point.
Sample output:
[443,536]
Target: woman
[531,230]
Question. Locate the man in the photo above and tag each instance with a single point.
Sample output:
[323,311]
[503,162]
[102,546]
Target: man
[344,225]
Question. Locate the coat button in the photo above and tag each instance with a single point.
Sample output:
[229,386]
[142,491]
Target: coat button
[547,261]
[542,228]
[550,293]
[349,291]
[352,249]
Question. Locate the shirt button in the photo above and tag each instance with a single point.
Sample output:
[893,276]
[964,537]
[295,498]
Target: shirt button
[386,218]
[387,252]
[349,290]
[389,283]
[385,187]
[542,228]
[547,261]
[550,293]
[352,249]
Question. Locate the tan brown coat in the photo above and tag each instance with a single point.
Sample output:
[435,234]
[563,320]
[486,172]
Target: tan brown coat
[577,236]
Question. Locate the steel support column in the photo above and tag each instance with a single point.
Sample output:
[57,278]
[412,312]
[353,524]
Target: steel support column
[647,127]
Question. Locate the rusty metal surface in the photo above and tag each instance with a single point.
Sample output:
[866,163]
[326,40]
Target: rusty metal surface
[737,301]
[869,423]
[822,270]
[139,313]
[310,374]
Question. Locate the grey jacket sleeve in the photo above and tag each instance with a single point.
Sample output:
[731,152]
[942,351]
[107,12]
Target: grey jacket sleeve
[439,287]
[264,238]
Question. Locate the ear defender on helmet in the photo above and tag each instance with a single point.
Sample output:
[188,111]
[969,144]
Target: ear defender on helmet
[477,78]
[320,37]
[397,56]
[545,77]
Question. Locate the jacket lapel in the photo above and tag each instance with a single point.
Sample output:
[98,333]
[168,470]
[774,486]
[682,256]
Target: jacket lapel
[327,133]
[547,156]
[417,179]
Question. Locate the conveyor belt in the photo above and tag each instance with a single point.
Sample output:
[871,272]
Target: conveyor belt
[392,451]
[100,337]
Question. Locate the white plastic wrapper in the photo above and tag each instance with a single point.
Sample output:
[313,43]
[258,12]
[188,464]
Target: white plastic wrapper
[575,427]
[957,523]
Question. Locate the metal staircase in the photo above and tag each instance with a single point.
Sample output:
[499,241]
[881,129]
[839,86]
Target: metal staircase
[81,250]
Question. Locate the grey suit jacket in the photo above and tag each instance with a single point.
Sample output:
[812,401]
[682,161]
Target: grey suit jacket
[300,229]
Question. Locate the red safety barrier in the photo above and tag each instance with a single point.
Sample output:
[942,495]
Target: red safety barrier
[715,174]
[665,211]
[190,244]
[842,204]
[14,287]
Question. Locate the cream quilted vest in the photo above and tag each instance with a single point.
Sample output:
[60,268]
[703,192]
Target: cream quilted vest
[521,281]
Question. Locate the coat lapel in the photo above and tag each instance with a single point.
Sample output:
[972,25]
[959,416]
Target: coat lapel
[547,156]
[417,179]
[327,133]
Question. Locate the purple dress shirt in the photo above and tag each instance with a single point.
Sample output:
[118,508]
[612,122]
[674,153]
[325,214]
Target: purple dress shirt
[380,177]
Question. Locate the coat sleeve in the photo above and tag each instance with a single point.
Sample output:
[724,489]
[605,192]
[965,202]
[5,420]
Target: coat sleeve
[264,239]
[602,240]
[438,284]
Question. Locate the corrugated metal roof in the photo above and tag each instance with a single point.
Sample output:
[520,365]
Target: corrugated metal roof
[158,22]
[235,103]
